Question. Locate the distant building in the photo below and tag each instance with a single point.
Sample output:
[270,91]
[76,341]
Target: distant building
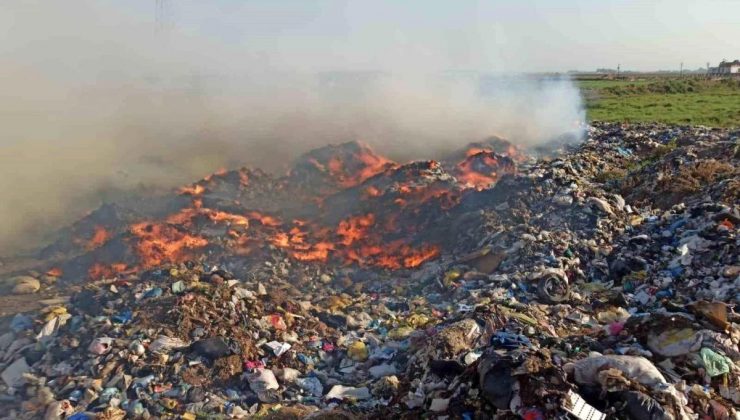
[726,68]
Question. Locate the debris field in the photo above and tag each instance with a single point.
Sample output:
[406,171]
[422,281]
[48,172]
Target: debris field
[598,281]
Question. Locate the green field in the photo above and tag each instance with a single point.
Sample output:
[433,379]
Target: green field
[668,100]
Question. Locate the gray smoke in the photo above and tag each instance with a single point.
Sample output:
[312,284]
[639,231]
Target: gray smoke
[96,103]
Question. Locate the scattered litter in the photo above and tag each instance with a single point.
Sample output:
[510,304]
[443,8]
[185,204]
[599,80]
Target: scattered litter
[601,281]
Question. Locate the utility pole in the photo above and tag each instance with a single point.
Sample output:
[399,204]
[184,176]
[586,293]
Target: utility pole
[618,70]
[161,14]
[680,72]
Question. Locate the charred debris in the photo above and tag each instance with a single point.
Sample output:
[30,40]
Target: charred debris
[599,282]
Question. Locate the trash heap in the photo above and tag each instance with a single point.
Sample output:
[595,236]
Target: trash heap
[600,283]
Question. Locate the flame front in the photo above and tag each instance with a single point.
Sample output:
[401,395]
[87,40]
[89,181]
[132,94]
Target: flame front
[106,271]
[159,243]
[482,168]
[353,168]
[355,228]
[404,199]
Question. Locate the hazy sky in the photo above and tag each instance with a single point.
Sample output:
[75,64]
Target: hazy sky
[535,35]
[96,100]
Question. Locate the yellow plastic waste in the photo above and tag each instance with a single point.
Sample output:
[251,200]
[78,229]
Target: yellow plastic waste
[613,315]
[336,303]
[450,277]
[55,312]
[400,333]
[417,320]
[519,316]
[638,275]
[168,403]
[358,351]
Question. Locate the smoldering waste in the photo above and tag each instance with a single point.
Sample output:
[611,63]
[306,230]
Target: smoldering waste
[598,282]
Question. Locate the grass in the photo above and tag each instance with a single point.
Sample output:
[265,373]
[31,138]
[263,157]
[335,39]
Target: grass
[672,101]
[605,83]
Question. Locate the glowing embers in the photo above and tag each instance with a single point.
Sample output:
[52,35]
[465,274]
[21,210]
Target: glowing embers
[344,166]
[369,165]
[219,173]
[99,237]
[158,243]
[302,242]
[208,183]
[264,219]
[393,255]
[355,228]
[195,215]
[54,272]
[100,271]
[481,168]
[94,238]
[373,212]
[412,196]
[197,189]
[174,239]
[355,240]
[362,241]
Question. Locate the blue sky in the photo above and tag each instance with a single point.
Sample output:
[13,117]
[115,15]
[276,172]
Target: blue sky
[536,35]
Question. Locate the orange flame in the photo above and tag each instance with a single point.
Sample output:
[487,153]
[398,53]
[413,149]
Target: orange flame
[335,165]
[159,243]
[55,272]
[98,239]
[368,165]
[404,256]
[316,252]
[374,165]
[220,172]
[415,258]
[355,228]
[266,220]
[185,216]
[481,170]
[194,190]
[101,271]
[475,150]
[360,239]
[372,191]
[222,216]
[281,239]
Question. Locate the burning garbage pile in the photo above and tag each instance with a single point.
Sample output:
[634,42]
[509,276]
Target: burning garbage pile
[340,204]
[485,285]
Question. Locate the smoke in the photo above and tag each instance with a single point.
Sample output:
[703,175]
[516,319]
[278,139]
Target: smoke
[97,103]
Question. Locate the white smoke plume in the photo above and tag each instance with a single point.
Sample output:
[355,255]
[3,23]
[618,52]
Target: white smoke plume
[96,102]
